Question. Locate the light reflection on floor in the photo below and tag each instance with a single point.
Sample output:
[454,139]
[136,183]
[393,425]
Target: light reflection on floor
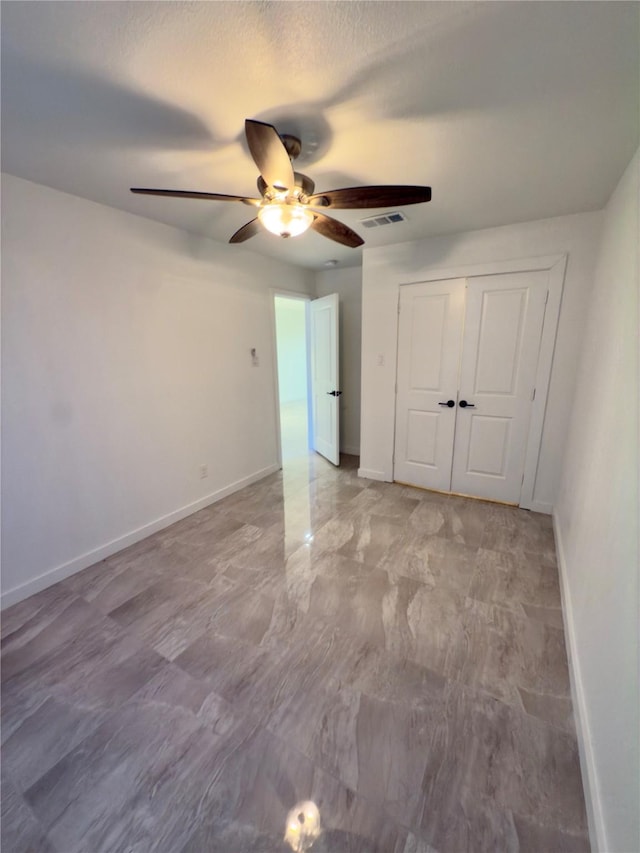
[303,826]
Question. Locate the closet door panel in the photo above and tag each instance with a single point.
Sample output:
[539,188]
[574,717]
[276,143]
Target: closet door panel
[429,341]
[503,325]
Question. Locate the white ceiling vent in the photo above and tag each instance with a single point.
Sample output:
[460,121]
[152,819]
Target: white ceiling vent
[383,219]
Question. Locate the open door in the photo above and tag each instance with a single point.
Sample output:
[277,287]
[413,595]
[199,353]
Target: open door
[325,388]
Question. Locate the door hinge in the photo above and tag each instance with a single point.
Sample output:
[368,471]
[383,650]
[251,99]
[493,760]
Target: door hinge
[533,396]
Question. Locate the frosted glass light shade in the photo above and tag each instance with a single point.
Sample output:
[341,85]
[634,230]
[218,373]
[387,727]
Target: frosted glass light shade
[285,220]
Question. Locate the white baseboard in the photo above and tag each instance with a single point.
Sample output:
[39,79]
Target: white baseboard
[369,474]
[59,573]
[597,834]
[350,450]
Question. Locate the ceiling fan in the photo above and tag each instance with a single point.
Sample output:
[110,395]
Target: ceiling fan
[289,206]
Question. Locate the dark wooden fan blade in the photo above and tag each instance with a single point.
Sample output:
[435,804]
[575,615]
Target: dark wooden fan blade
[269,154]
[248,230]
[353,197]
[190,194]
[334,230]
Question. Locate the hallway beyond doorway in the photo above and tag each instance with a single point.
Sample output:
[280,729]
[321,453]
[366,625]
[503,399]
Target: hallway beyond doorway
[293,383]
[294,430]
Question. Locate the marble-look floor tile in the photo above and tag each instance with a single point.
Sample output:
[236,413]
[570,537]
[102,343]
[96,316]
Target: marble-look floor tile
[456,519]
[354,604]
[279,678]
[519,536]
[549,615]
[555,710]
[394,655]
[98,797]
[98,669]
[224,834]
[201,528]
[398,490]
[113,582]
[433,560]
[514,579]
[514,761]
[371,538]
[45,737]
[435,632]
[268,580]
[271,549]
[18,655]
[256,805]
[19,828]
[335,491]
[501,651]
[385,505]
[414,844]
[318,719]
[21,622]
[171,615]
[468,821]
[381,676]
[533,838]
[392,743]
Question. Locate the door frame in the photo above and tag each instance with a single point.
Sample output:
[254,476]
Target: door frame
[555,265]
[302,297]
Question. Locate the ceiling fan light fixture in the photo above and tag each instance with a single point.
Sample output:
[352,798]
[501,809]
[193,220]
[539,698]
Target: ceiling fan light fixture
[289,204]
[285,220]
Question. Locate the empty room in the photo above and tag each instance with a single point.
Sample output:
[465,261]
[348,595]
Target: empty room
[320,390]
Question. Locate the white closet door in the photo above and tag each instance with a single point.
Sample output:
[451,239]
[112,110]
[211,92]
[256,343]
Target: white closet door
[503,325]
[429,340]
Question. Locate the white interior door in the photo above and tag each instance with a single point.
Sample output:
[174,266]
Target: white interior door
[325,367]
[503,326]
[429,341]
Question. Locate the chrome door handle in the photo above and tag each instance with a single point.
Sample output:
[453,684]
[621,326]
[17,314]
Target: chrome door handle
[449,404]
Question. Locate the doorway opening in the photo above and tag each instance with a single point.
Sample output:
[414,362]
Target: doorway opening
[293,375]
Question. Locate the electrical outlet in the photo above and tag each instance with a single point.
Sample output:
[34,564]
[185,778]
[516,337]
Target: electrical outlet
[204,472]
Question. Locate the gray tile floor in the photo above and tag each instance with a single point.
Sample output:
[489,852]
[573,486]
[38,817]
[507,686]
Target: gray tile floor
[393,655]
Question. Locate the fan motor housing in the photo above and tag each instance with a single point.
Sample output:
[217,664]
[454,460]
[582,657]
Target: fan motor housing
[303,183]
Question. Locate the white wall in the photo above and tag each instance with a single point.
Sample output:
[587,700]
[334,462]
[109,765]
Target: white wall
[383,269]
[596,519]
[291,337]
[347,283]
[126,366]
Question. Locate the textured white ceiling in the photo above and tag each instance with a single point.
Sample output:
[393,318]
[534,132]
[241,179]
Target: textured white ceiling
[510,111]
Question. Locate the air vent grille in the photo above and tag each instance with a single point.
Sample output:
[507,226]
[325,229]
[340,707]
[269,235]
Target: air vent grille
[383,219]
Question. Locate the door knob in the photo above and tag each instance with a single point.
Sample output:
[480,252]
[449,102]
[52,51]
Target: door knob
[450,404]
[334,393]
[464,405]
